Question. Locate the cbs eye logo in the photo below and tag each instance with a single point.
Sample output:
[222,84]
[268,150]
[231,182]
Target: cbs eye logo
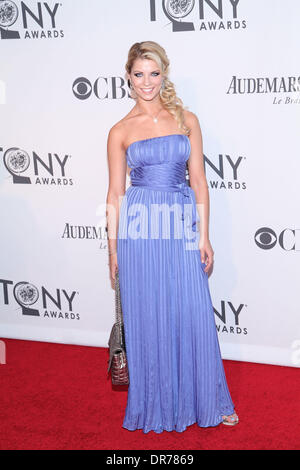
[113,88]
[265,238]
[288,239]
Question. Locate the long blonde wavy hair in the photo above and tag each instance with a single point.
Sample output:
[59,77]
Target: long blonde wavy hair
[169,99]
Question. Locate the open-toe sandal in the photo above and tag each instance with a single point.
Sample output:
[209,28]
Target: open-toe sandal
[231,420]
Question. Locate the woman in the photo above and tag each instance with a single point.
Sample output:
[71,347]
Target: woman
[175,367]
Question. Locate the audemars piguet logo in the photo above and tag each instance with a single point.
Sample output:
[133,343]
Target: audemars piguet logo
[19,20]
[278,87]
[203,15]
[86,232]
[83,232]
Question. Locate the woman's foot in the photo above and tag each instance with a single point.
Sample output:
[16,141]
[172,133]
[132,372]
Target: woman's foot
[230,420]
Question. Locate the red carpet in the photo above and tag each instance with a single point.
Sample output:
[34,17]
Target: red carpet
[56,396]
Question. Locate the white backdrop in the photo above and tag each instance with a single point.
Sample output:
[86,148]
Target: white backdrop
[235,64]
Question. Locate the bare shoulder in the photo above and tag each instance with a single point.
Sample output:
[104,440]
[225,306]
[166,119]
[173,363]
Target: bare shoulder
[191,120]
[115,134]
[119,131]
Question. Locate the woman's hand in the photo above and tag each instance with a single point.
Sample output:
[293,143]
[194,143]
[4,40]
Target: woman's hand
[207,254]
[113,266]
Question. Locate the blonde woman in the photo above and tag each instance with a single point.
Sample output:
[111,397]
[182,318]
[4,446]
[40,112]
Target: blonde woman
[159,243]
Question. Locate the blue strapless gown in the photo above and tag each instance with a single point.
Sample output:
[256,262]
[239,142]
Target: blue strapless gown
[175,366]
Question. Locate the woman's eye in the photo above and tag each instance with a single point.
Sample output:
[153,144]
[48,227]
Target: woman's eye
[139,74]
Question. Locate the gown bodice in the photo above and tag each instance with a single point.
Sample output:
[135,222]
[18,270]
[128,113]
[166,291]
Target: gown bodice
[173,148]
[159,163]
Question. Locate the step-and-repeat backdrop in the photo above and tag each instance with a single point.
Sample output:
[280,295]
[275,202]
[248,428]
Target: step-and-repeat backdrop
[62,87]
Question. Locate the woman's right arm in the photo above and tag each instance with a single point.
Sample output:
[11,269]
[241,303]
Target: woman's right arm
[117,183]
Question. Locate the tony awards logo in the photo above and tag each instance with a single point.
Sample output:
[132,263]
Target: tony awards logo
[204,15]
[178,10]
[225,172]
[46,173]
[26,294]
[41,16]
[17,161]
[40,302]
[8,16]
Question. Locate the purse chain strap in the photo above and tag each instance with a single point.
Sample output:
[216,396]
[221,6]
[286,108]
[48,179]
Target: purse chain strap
[118,306]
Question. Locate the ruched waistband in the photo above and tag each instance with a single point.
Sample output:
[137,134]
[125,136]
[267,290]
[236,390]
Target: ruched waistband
[166,177]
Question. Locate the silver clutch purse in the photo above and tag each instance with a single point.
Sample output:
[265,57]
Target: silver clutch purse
[117,362]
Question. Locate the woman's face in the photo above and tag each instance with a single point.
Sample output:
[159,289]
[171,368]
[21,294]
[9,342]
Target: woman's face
[146,78]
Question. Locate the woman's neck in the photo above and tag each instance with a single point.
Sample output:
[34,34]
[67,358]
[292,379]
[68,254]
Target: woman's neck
[150,107]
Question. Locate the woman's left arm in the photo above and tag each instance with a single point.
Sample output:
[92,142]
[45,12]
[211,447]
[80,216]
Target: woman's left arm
[199,184]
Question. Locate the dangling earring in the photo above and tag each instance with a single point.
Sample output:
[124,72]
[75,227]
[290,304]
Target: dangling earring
[162,87]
